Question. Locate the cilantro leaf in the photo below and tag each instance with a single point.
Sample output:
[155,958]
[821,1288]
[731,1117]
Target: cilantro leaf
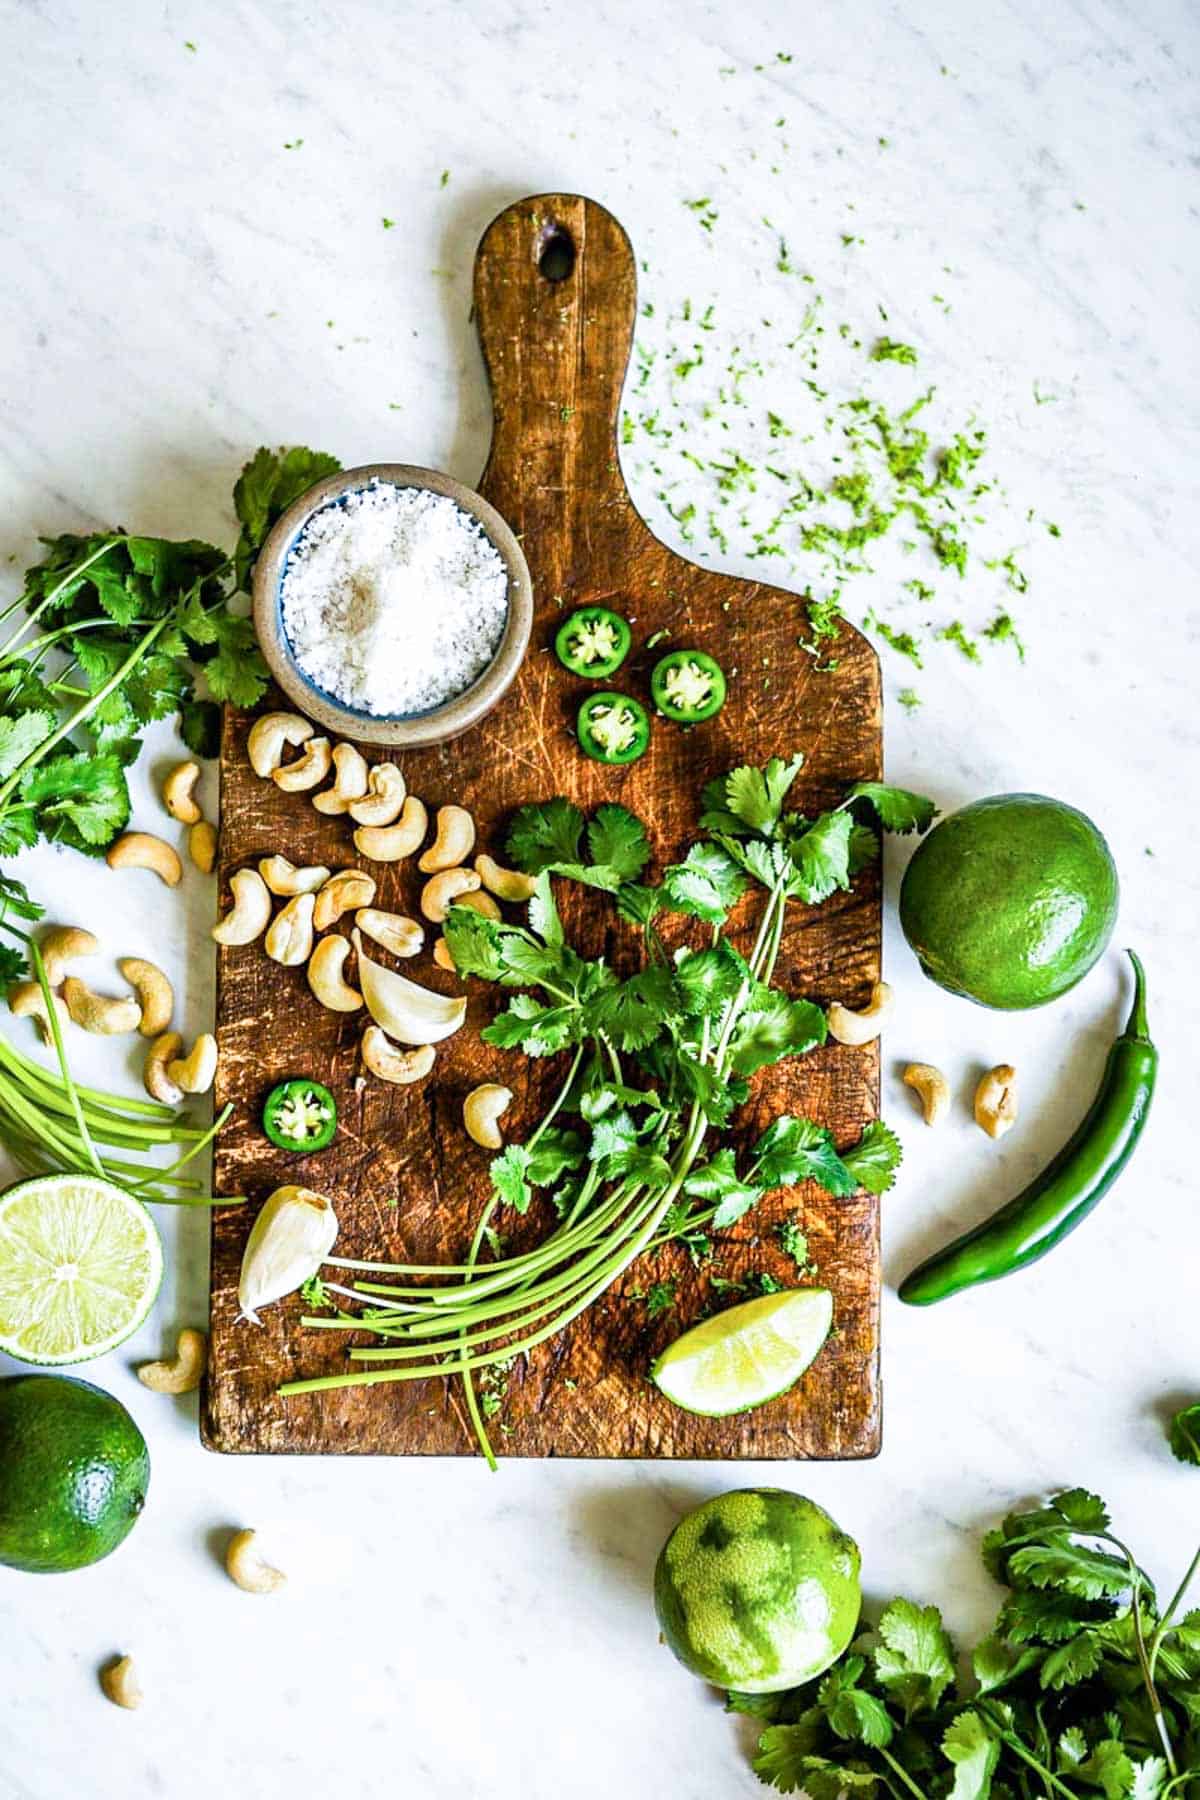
[660,1297]
[896,808]
[821,858]
[80,800]
[1073,1661]
[473,943]
[771,1027]
[12,967]
[1184,1434]
[543,833]
[637,903]
[617,840]
[794,1150]
[633,1013]
[755,797]
[852,1712]
[558,1152]
[20,735]
[265,489]
[914,1658]
[1088,1574]
[508,1171]
[705,884]
[972,1748]
[873,1161]
[537,1030]
[717,1181]
[1081,1510]
[707,980]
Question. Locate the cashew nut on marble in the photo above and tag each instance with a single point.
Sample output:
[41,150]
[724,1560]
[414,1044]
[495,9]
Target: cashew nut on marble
[196,1072]
[161,1054]
[142,850]
[27,1001]
[154,991]
[246,1568]
[202,846]
[931,1088]
[119,1683]
[179,796]
[61,945]
[996,1100]
[108,1014]
[181,1373]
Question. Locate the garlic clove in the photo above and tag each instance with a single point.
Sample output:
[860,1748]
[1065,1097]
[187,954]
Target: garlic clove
[409,1013]
[288,1242]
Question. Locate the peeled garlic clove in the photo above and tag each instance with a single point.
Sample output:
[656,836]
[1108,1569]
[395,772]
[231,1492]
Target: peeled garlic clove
[409,1013]
[288,1242]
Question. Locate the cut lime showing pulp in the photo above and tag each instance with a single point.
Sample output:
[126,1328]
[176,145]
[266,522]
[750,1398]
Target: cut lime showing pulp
[80,1266]
[747,1355]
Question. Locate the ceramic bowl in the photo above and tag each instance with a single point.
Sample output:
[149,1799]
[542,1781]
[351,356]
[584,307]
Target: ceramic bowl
[400,731]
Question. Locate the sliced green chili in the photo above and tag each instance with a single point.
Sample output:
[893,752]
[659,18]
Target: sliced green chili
[613,728]
[593,642]
[300,1115]
[688,686]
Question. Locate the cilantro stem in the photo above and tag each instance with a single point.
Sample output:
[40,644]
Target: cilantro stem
[1164,1623]
[1018,1749]
[72,574]
[896,1769]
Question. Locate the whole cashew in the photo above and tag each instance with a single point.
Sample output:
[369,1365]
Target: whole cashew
[245,1566]
[178,793]
[403,937]
[864,1026]
[382,1057]
[289,938]
[482,1112]
[27,1001]
[61,945]
[202,846]
[996,1100]
[390,843]
[196,1072]
[161,1054]
[268,736]
[454,842]
[325,975]
[506,884]
[182,1373]
[350,783]
[104,1013]
[309,769]
[283,877]
[251,910]
[348,888]
[384,797]
[155,992]
[932,1089]
[443,958]
[119,1683]
[141,850]
[480,902]
[442,890]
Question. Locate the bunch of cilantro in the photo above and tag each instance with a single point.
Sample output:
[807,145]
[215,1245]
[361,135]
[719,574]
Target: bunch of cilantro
[1085,1688]
[113,630]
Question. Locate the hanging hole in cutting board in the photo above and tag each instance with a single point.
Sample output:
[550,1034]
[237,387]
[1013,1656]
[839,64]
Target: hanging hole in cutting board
[556,255]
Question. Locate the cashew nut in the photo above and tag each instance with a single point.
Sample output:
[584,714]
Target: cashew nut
[196,1072]
[382,1057]
[384,797]
[506,884]
[932,1089]
[180,1374]
[268,736]
[482,1111]
[454,842]
[161,1054]
[141,850]
[864,1026]
[309,769]
[348,888]
[107,1014]
[283,877]
[480,902]
[443,958]
[350,781]
[155,992]
[251,910]
[442,890]
[27,1001]
[119,1683]
[289,938]
[202,846]
[245,1566]
[325,975]
[996,1100]
[61,945]
[390,843]
[178,795]
[403,937]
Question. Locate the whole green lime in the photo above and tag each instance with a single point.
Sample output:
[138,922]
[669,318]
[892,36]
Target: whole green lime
[757,1590]
[1011,900]
[75,1470]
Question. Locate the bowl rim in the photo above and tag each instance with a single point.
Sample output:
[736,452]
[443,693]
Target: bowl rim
[453,716]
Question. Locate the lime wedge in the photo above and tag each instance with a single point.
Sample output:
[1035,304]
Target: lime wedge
[747,1355]
[80,1266]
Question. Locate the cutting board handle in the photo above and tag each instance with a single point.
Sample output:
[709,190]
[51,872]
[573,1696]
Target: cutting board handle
[555,301]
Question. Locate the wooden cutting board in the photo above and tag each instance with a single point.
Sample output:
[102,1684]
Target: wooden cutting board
[404,1178]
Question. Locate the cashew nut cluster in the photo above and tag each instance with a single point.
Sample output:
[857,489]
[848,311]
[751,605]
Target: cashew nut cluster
[181,1373]
[864,1026]
[270,735]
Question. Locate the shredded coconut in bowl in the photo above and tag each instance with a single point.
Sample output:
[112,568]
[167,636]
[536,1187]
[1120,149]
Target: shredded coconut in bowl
[394,599]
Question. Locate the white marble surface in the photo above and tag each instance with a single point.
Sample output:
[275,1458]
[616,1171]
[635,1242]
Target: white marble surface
[175,287]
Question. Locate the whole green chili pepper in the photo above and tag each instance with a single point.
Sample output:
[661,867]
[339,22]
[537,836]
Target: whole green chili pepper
[1063,1195]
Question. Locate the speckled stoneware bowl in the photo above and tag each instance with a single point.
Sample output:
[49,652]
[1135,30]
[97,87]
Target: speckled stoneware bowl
[402,731]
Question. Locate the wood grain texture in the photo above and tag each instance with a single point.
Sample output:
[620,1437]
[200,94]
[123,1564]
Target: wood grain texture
[403,1176]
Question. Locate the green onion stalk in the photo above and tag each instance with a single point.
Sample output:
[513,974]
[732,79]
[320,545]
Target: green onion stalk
[51,1124]
[487,1314]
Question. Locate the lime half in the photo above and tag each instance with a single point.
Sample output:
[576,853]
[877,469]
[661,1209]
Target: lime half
[747,1355]
[80,1266]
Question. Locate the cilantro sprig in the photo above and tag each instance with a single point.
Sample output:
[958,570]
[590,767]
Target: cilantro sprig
[1084,1687]
[113,629]
[632,1152]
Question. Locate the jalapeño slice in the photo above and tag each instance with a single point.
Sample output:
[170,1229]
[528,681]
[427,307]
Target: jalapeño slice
[688,686]
[613,728]
[593,642]
[300,1115]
